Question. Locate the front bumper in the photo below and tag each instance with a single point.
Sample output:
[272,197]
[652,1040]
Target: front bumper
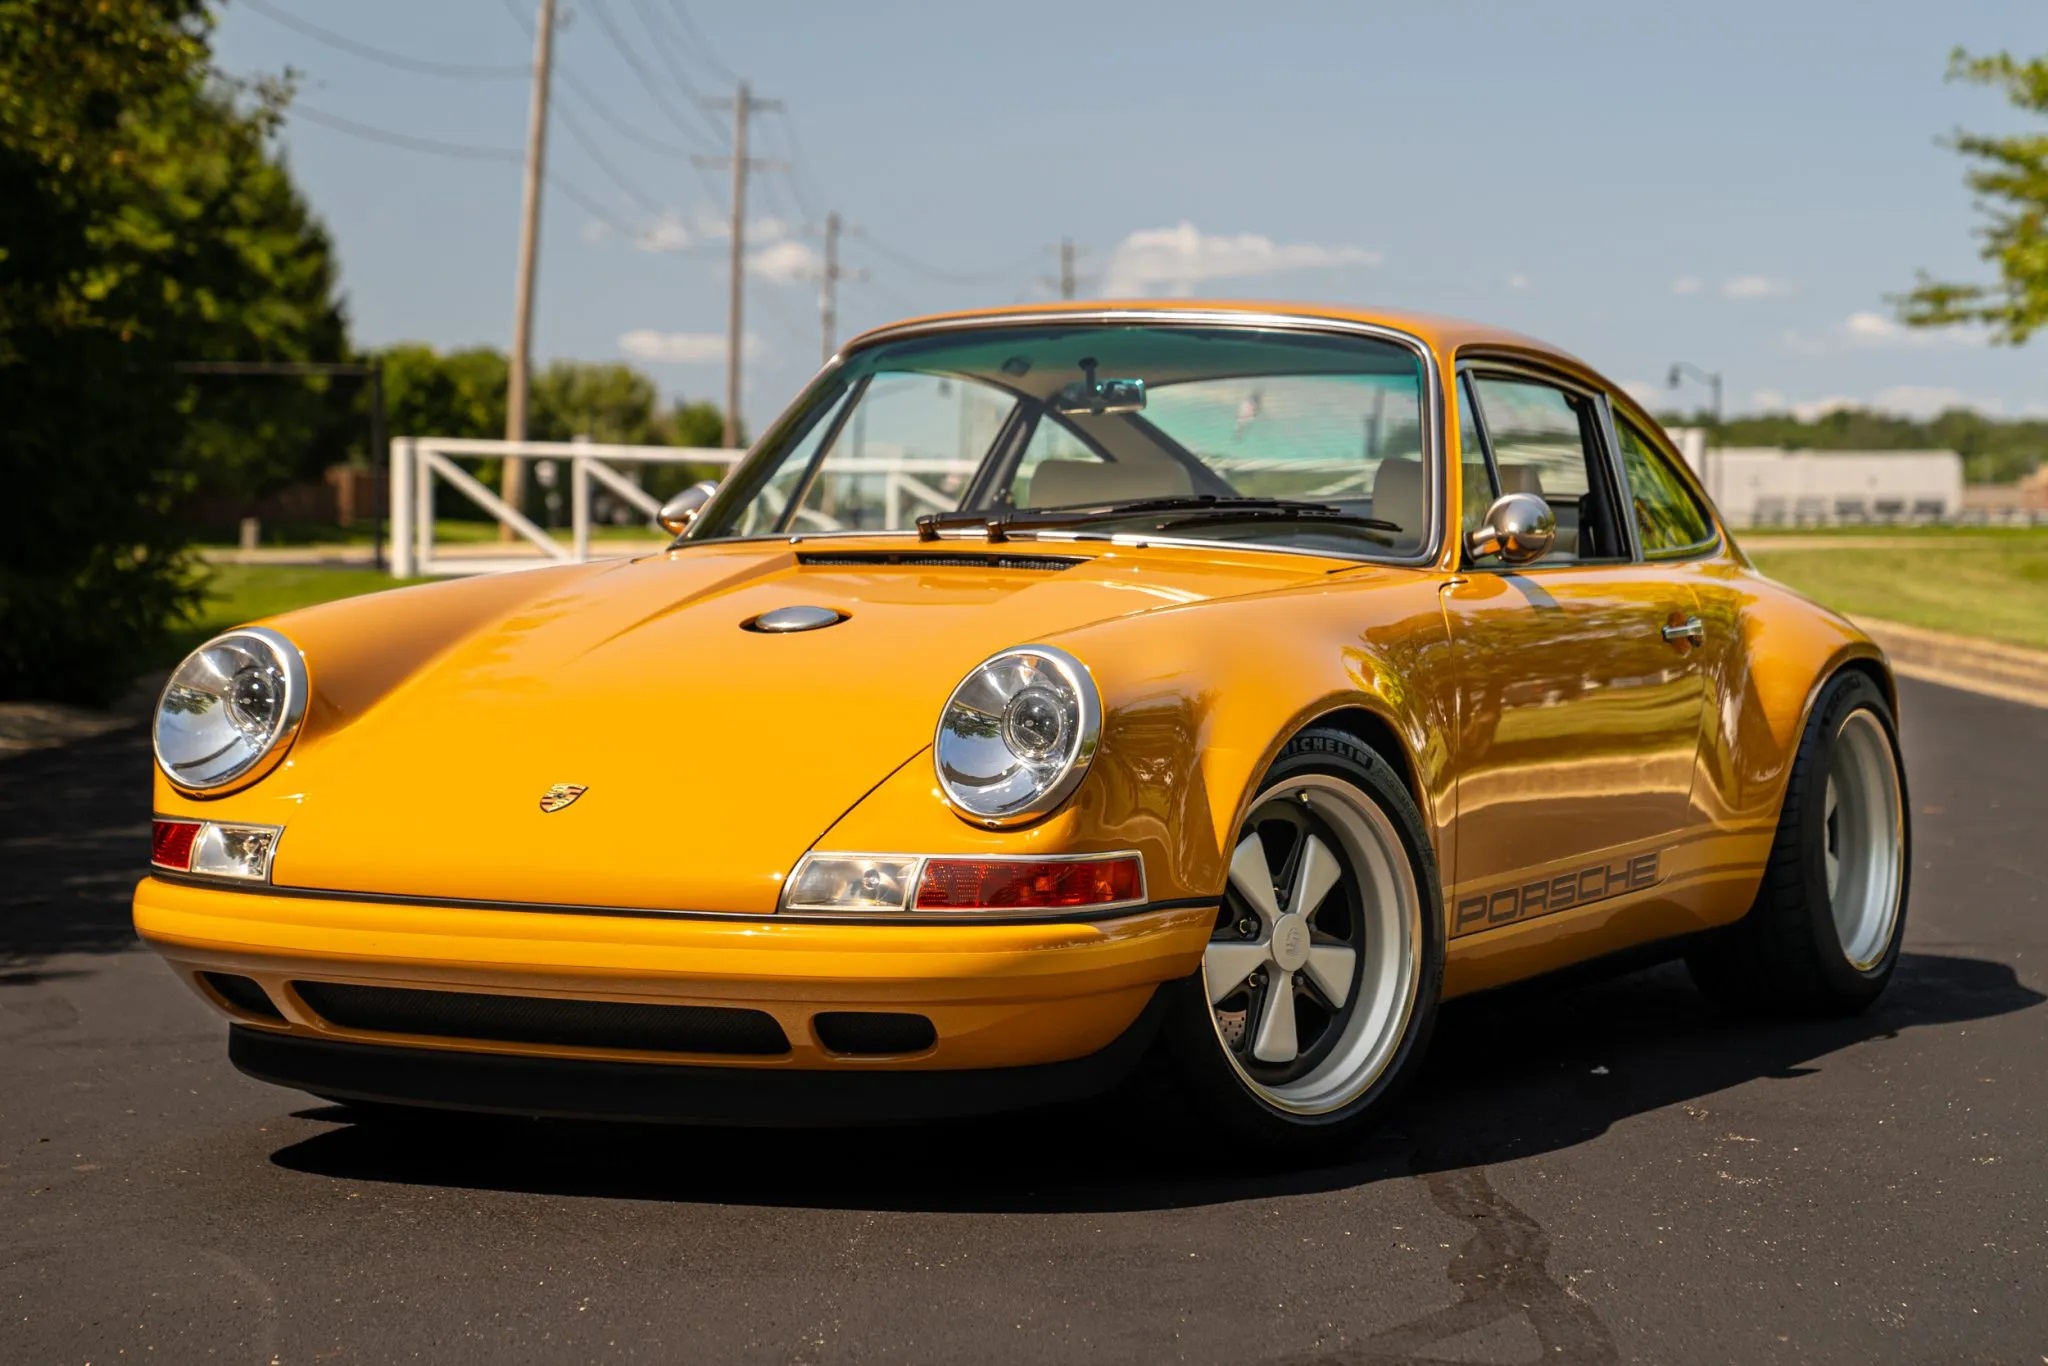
[669,1093]
[998,996]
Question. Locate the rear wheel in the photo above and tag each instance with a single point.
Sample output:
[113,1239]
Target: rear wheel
[1823,936]
[1320,982]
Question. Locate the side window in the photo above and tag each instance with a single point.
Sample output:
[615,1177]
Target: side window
[1668,519]
[1478,483]
[1542,442]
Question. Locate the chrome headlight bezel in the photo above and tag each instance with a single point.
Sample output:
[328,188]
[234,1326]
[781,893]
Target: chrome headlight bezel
[1028,786]
[254,751]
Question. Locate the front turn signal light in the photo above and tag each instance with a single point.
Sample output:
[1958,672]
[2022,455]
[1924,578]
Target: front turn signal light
[214,849]
[882,884]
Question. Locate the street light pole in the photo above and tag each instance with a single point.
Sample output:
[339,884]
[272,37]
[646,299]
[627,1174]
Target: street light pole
[1712,379]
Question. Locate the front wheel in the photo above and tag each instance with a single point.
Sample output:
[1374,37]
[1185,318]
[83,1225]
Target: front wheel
[1320,982]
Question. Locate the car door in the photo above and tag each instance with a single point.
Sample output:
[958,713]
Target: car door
[1579,686]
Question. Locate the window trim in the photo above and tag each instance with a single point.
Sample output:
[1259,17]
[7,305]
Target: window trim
[1697,550]
[1604,463]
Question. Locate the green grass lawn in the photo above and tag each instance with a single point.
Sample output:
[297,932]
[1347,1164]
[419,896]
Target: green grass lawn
[238,593]
[1990,582]
[1763,536]
[447,531]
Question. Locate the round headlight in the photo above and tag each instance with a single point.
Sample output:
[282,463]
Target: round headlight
[235,702]
[1016,736]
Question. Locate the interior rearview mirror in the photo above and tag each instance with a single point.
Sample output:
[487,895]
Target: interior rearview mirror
[678,512]
[1519,527]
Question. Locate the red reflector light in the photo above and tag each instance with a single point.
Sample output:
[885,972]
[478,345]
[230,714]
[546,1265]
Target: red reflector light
[170,843]
[1014,884]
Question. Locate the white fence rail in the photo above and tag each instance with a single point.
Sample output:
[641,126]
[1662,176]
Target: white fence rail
[418,462]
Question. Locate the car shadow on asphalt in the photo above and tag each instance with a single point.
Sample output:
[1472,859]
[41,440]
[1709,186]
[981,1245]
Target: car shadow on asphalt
[1533,1070]
[76,841]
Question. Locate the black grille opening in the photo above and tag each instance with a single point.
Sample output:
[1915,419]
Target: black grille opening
[911,559]
[545,1020]
[874,1031]
[243,994]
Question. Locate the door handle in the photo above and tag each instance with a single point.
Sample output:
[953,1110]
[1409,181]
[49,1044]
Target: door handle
[1689,629]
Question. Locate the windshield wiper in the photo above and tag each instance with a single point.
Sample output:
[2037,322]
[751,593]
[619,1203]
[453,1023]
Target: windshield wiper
[1189,507]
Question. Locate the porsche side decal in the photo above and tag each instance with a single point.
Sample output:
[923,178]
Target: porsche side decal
[1547,896]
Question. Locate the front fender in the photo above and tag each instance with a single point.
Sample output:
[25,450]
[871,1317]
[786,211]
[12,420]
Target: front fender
[1197,701]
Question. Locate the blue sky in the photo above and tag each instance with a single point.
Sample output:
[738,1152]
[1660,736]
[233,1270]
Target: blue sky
[1738,185]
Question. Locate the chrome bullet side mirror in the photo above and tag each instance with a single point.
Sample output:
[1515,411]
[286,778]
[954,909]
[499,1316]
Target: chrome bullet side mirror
[1519,528]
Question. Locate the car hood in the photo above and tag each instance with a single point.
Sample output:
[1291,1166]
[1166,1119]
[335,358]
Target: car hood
[709,756]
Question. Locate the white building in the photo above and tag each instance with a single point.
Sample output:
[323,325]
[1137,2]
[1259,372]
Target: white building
[1768,486]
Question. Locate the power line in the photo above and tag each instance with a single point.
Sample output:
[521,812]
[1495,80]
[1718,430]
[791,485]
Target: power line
[743,104]
[909,262]
[623,127]
[595,102]
[468,151]
[648,80]
[603,163]
[463,151]
[457,70]
[796,176]
[673,63]
[704,48]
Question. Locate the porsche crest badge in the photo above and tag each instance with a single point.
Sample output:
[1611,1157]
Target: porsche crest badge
[560,795]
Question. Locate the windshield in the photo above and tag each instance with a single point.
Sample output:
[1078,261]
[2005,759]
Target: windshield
[1307,440]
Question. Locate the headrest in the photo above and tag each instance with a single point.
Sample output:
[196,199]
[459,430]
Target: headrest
[1520,479]
[1398,495]
[1080,483]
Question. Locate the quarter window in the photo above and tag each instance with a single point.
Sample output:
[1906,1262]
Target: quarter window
[1542,442]
[1669,520]
[1479,491]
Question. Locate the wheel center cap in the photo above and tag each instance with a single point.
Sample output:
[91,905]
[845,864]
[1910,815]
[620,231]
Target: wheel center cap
[1290,942]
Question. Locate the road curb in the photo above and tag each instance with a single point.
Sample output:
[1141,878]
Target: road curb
[1987,667]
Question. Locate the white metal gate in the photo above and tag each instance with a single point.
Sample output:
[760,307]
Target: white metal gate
[418,461]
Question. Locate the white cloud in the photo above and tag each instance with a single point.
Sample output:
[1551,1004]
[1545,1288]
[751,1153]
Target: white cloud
[1686,284]
[1643,392]
[675,230]
[1753,287]
[1815,408]
[1519,283]
[1927,400]
[785,263]
[1869,331]
[680,348]
[1174,260]
[1905,400]
[1875,330]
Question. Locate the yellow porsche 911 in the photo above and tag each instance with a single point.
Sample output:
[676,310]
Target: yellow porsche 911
[1050,694]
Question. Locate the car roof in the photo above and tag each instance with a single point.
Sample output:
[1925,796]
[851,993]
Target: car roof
[1447,336]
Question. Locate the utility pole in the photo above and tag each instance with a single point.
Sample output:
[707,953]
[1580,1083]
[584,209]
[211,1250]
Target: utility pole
[742,105]
[1068,282]
[828,285]
[513,486]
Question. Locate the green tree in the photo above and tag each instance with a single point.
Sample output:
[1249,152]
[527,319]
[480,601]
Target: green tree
[460,394]
[2009,175]
[605,402]
[143,222]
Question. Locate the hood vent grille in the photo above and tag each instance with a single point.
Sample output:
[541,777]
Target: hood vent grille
[914,560]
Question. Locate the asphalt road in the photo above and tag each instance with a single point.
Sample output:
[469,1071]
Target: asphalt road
[1601,1172]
